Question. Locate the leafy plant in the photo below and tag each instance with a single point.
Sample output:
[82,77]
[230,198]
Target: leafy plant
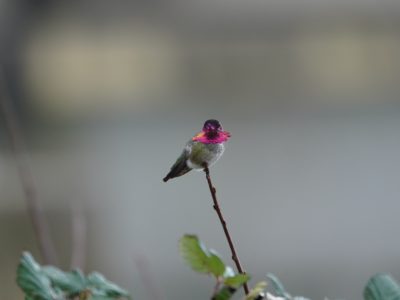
[257,293]
[50,283]
[382,287]
[207,261]
[280,290]
[379,287]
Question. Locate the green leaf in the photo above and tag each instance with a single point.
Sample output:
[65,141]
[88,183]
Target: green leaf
[237,280]
[215,265]
[110,289]
[194,253]
[72,282]
[32,281]
[199,258]
[50,283]
[382,287]
[257,291]
[225,293]
[279,289]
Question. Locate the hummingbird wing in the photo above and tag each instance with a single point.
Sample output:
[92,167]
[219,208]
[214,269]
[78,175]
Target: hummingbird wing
[180,167]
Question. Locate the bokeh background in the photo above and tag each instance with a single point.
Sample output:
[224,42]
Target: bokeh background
[108,92]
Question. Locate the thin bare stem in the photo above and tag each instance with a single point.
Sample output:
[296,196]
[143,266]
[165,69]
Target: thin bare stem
[235,257]
[27,181]
[216,288]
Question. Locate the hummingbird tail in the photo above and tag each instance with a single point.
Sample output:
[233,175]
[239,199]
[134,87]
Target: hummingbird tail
[177,170]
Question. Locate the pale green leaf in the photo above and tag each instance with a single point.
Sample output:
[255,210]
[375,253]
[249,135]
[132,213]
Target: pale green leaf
[32,281]
[257,291]
[382,287]
[110,289]
[50,283]
[278,287]
[71,282]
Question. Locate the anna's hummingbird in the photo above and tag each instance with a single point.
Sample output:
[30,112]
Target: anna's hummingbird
[204,149]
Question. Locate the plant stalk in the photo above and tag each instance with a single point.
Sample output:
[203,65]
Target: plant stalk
[35,210]
[235,257]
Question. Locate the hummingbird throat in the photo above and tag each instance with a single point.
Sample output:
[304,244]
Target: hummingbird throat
[212,137]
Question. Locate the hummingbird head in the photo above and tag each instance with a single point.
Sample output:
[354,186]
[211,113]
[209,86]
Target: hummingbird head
[212,133]
[212,126]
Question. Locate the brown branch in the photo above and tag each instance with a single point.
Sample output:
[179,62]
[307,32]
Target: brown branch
[35,211]
[235,257]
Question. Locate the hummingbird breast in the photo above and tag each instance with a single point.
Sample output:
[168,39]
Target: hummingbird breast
[201,153]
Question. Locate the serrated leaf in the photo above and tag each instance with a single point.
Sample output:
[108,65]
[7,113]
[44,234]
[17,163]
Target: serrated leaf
[199,258]
[279,289]
[256,291]
[382,287]
[32,281]
[237,280]
[71,282]
[99,282]
[225,293]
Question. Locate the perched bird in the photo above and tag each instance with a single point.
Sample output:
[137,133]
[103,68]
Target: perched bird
[204,149]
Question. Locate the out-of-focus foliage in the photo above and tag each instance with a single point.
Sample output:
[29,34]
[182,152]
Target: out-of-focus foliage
[225,293]
[379,287]
[280,290]
[34,281]
[382,287]
[73,281]
[50,283]
[257,293]
[278,287]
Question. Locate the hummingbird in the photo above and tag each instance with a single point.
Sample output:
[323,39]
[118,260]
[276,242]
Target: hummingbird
[204,149]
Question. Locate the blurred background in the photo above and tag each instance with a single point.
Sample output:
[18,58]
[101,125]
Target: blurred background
[108,92]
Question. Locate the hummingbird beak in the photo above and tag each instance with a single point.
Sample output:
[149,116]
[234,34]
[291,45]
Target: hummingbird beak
[199,136]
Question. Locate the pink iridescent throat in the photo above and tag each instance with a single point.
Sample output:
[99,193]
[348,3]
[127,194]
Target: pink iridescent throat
[220,137]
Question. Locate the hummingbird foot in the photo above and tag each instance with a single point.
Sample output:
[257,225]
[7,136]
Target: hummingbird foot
[205,168]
